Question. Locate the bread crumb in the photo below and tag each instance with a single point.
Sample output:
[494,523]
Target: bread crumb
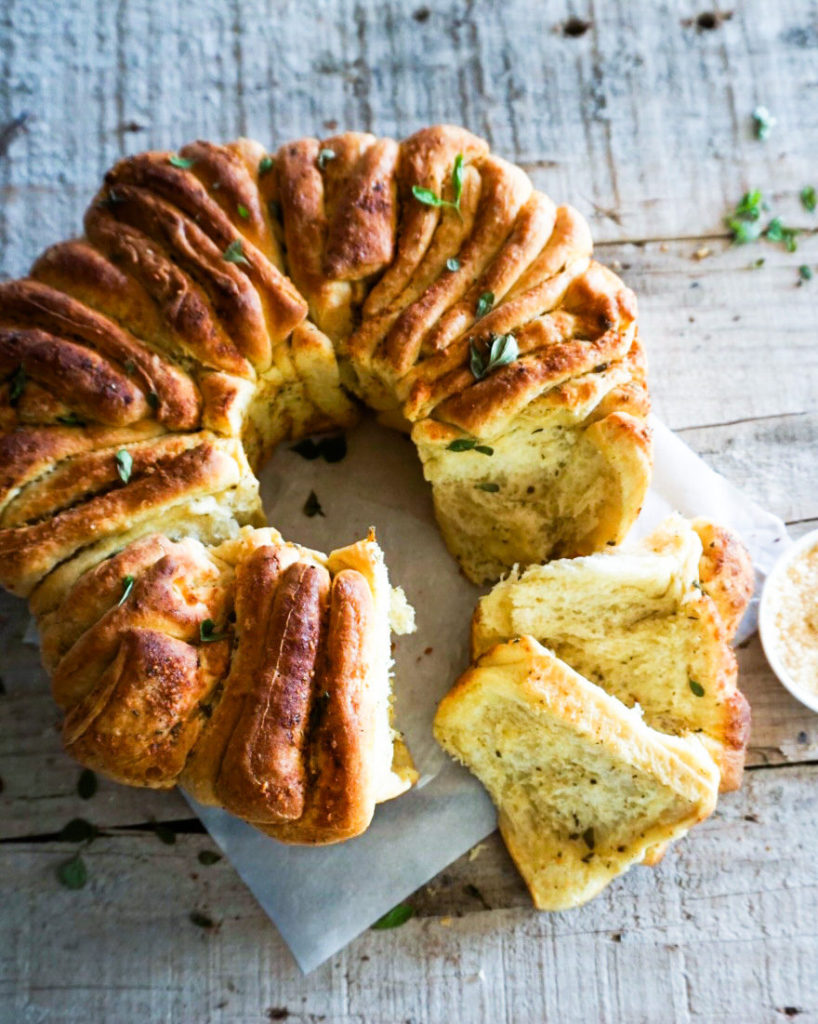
[701,254]
[795,601]
[475,853]
[446,922]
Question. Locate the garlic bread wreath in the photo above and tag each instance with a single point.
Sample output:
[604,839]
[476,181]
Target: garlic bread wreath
[223,299]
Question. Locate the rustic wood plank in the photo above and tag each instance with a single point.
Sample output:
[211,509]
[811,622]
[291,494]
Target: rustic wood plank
[643,121]
[721,930]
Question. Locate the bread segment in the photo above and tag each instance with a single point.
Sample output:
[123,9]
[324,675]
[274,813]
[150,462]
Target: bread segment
[583,787]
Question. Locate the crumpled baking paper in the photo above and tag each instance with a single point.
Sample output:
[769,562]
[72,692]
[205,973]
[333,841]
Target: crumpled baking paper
[321,898]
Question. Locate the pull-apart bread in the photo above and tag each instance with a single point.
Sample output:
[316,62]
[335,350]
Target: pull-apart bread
[651,623]
[583,786]
[223,299]
[256,673]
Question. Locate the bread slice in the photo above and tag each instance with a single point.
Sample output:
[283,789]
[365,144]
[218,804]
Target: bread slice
[641,622]
[583,786]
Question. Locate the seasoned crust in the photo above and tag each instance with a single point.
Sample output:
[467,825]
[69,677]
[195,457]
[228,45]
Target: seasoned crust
[725,572]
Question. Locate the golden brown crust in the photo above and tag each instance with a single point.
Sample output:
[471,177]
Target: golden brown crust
[725,572]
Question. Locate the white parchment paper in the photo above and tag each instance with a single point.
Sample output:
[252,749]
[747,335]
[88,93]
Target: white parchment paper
[322,898]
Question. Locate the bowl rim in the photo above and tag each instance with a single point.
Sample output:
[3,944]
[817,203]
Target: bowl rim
[766,623]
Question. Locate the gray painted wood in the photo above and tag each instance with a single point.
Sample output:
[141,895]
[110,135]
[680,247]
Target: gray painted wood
[643,122]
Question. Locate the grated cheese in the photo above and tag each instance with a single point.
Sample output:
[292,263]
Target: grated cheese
[795,603]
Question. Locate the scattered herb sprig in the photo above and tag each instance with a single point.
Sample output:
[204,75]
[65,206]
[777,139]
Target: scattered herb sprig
[468,444]
[395,917]
[124,464]
[763,123]
[234,253]
[430,198]
[501,350]
[312,506]
[207,632]
[127,587]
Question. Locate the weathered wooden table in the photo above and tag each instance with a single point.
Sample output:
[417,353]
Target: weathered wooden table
[640,115]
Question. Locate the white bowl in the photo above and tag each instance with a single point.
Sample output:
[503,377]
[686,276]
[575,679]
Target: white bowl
[766,620]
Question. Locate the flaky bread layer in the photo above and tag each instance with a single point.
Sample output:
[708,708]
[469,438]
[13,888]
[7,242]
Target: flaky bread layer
[583,786]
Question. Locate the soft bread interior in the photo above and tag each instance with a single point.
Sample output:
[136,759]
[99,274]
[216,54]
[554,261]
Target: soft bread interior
[396,772]
[583,786]
[638,623]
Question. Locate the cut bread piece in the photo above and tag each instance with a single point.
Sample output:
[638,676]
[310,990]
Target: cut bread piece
[583,786]
[564,477]
[640,621]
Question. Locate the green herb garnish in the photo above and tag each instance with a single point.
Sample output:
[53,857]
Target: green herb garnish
[467,444]
[164,834]
[78,830]
[234,253]
[127,587]
[484,304]
[73,873]
[181,161]
[395,917]
[207,632]
[244,213]
[265,165]
[71,420]
[274,209]
[502,349]
[312,506]
[429,198]
[124,464]
[744,222]
[325,156]
[697,688]
[589,838]
[776,232]
[809,198]
[453,264]
[805,272]
[208,857]
[152,399]
[763,122]
[86,784]
[18,382]
[491,488]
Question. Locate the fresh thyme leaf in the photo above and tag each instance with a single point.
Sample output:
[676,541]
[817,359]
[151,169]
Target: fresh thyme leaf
[457,179]
[124,464]
[697,688]
[758,263]
[467,444]
[265,165]
[453,264]
[763,122]
[325,156]
[395,917]
[234,253]
[86,784]
[312,506]
[78,830]
[243,211]
[429,198]
[181,161]
[777,232]
[208,857]
[484,304]
[502,350]
[18,382]
[809,198]
[152,399]
[491,488]
[201,920]
[127,587]
[589,838]
[805,272]
[207,632]
[73,873]
[71,420]
[129,366]
[744,221]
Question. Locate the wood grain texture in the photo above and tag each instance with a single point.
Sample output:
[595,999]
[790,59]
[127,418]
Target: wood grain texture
[642,122]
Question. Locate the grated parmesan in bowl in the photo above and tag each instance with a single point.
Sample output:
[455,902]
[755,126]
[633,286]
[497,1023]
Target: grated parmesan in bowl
[788,620]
